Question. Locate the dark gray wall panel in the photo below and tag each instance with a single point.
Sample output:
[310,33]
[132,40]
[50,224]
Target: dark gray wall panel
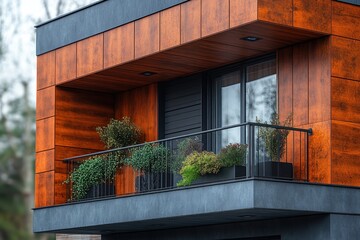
[95,19]
[182,106]
[356,2]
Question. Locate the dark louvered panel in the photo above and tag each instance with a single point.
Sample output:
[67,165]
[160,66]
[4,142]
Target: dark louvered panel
[182,106]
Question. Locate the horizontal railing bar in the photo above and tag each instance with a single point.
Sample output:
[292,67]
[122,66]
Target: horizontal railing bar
[309,131]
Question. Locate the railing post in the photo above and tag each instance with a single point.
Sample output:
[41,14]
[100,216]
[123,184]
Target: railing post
[251,156]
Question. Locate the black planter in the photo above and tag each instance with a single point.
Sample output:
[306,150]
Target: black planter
[224,174]
[153,181]
[271,169]
[101,190]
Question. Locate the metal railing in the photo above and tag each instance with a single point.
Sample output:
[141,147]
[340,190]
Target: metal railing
[233,152]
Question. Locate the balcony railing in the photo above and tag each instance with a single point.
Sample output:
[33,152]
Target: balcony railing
[234,152]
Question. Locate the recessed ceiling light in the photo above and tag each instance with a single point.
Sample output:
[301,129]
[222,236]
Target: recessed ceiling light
[246,216]
[251,38]
[147,73]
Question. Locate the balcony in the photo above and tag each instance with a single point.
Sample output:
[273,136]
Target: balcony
[232,153]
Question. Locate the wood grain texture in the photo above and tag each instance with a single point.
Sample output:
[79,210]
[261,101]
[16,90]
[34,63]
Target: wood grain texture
[313,15]
[45,103]
[276,11]
[319,80]
[190,21]
[345,153]
[242,12]
[90,55]
[301,84]
[345,99]
[320,153]
[44,189]
[65,63]
[170,27]
[285,82]
[46,70]
[60,195]
[345,58]
[147,39]
[62,152]
[141,105]
[119,45]
[345,20]
[45,161]
[300,157]
[78,113]
[125,181]
[214,16]
[45,134]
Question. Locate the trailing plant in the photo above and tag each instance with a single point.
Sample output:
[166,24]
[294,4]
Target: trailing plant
[152,158]
[274,139]
[184,149]
[119,133]
[197,164]
[95,170]
[233,154]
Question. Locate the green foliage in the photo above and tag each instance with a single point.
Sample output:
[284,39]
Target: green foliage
[92,171]
[275,139]
[149,158]
[233,155]
[119,133]
[197,164]
[185,148]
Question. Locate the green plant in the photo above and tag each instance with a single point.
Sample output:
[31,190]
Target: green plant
[233,154]
[196,164]
[185,148]
[95,170]
[149,158]
[119,133]
[275,139]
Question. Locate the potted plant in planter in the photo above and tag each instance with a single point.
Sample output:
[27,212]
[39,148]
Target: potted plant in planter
[196,165]
[152,161]
[94,177]
[233,161]
[274,142]
[184,149]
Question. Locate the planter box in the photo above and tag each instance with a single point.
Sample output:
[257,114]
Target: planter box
[153,181]
[271,169]
[224,174]
[101,190]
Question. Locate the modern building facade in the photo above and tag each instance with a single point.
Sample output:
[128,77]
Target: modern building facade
[184,69]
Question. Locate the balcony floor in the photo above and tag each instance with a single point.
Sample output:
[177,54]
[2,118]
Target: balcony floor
[233,201]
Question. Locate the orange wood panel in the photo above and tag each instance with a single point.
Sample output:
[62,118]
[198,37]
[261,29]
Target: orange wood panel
[141,105]
[125,181]
[345,153]
[45,103]
[62,152]
[285,82]
[44,189]
[320,153]
[65,63]
[90,55]
[78,113]
[319,80]
[301,84]
[170,27]
[46,70]
[215,16]
[147,31]
[190,21]
[300,160]
[60,188]
[119,45]
[276,11]
[346,58]
[313,15]
[345,20]
[45,136]
[45,161]
[345,99]
[242,11]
